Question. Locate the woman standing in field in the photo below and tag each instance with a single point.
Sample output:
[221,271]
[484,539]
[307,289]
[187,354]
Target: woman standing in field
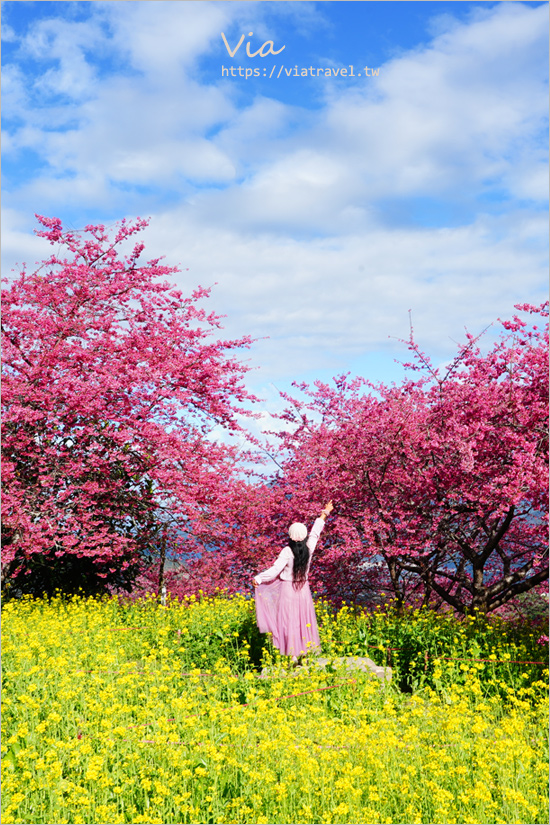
[284,606]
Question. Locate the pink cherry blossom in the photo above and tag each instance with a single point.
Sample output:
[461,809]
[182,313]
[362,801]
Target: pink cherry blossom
[113,380]
[442,480]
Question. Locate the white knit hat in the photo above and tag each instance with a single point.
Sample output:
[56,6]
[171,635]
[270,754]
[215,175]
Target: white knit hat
[297,531]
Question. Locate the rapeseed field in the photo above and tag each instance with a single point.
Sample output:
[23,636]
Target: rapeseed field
[136,713]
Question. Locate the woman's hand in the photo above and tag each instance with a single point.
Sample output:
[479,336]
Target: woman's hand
[327,509]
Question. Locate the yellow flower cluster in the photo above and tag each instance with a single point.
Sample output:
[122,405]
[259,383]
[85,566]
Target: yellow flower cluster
[109,716]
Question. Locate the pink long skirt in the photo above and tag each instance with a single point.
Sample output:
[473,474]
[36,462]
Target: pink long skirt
[289,615]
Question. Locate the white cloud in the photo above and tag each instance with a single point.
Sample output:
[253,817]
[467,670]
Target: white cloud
[14,93]
[19,248]
[68,44]
[284,207]
[325,301]
[161,38]
[463,117]
[8,34]
[460,114]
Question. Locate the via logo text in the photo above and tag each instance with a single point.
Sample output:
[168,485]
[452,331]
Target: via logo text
[262,51]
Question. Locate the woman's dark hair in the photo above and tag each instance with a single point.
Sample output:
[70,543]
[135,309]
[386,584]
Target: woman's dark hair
[300,551]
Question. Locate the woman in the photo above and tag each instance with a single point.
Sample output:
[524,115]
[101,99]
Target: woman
[284,606]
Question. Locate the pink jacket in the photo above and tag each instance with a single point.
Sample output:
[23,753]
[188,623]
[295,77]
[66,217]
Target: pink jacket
[284,565]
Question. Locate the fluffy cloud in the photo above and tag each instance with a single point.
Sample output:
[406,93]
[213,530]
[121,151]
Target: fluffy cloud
[454,119]
[322,226]
[324,302]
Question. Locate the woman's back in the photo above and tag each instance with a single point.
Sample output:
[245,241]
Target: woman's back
[285,566]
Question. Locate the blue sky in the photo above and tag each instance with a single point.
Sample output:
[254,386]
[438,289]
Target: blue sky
[323,208]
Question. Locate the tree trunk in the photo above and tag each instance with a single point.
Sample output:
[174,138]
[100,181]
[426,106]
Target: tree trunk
[161,565]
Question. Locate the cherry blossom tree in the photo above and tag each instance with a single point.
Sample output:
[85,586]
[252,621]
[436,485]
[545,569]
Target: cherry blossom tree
[443,478]
[113,382]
